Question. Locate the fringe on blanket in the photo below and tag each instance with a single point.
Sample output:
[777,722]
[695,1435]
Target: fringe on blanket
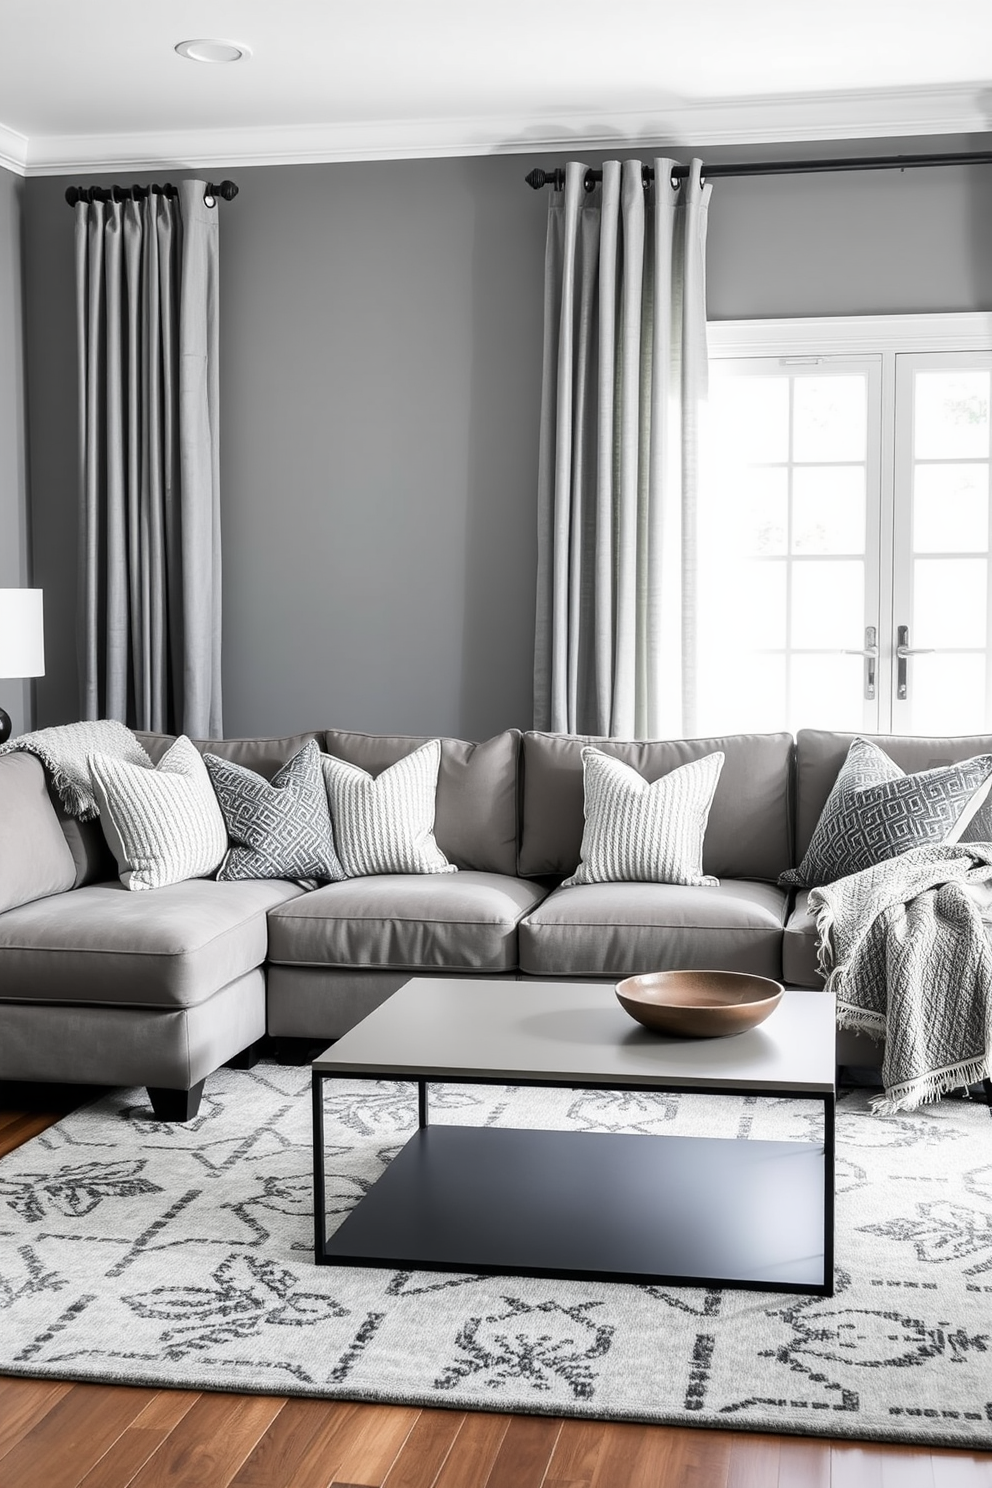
[75,800]
[930,1087]
[824,922]
[858,1019]
[64,750]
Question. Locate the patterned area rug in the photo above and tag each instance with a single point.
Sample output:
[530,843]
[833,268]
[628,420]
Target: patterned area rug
[181,1255]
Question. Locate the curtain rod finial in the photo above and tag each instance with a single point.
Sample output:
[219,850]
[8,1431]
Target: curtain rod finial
[226,189]
[538,178]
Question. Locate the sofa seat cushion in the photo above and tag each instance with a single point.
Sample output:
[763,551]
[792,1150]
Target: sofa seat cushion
[799,968]
[170,947]
[620,929]
[465,921]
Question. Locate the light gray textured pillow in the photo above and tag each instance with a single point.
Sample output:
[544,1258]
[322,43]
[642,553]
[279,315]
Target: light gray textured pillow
[645,833]
[385,823]
[162,823]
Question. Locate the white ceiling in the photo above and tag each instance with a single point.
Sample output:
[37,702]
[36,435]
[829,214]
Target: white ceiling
[96,84]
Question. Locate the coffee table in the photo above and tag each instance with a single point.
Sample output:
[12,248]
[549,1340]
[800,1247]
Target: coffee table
[682,1210]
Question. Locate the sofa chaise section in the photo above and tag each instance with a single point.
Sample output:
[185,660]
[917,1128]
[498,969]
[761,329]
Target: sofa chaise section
[122,988]
[99,985]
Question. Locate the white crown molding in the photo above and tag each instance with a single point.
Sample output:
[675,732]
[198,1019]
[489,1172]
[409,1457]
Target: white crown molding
[13,150]
[892,113]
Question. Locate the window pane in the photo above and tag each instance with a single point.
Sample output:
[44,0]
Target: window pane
[742,694]
[751,417]
[828,605]
[830,418]
[826,691]
[949,598]
[828,509]
[947,694]
[762,512]
[757,618]
[951,415]
[951,509]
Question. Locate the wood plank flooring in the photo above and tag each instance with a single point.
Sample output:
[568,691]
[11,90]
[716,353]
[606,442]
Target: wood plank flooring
[60,1435]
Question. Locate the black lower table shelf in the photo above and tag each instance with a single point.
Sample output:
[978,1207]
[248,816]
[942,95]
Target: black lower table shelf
[596,1205]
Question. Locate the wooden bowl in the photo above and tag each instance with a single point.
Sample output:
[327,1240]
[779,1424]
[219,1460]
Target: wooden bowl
[699,1004]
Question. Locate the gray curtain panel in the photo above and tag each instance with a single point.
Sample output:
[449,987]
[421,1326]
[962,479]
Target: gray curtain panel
[150,559]
[624,380]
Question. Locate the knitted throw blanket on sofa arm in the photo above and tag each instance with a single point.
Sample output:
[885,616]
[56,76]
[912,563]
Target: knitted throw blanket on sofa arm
[63,750]
[904,947]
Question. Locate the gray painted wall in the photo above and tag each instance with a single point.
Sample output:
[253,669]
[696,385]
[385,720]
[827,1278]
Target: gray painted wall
[15,697]
[381,343]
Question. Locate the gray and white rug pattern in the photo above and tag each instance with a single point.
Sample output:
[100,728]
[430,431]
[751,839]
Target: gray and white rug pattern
[181,1255]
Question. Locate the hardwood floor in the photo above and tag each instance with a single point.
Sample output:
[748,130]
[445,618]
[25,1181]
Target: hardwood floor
[61,1435]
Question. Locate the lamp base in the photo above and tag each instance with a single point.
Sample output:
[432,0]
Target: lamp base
[6,727]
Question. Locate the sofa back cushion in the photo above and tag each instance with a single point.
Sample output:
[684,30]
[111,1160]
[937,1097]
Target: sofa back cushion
[820,754]
[475,822]
[94,861]
[749,831]
[265,756]
[35,858]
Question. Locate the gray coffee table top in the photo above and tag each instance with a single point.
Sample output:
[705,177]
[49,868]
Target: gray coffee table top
[562,1033]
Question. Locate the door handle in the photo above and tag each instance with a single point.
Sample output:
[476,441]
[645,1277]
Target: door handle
[904,649]
[870,654]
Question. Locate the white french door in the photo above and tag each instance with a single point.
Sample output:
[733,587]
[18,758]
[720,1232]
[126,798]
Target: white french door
[789,545]
[940,590]
[844,533]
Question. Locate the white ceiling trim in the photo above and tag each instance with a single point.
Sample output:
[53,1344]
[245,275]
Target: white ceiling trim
[13,150]
[854,115]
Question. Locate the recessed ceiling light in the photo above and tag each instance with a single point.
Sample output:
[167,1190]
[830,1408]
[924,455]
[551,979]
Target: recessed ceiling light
[209,49]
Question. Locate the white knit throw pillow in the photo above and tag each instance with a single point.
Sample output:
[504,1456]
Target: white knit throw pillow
[385,823]
[163,825]
[640,832]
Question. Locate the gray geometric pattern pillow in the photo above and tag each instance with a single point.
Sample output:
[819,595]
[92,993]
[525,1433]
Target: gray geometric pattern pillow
[645,833]
[875,812]
[279,828]
[385,823]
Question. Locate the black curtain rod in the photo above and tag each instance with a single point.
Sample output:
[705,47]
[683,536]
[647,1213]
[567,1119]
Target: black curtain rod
[556,178]
[74,194]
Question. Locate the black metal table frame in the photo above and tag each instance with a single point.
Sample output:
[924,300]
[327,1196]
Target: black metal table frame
[825,1098]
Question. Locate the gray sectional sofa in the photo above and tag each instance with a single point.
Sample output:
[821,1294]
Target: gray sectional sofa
[100,985]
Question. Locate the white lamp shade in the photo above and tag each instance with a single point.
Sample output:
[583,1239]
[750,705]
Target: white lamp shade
[22,633]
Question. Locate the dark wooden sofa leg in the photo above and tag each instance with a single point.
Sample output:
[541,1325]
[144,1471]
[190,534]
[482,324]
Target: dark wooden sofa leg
[297,1050]
[248,1058]
[175,1105]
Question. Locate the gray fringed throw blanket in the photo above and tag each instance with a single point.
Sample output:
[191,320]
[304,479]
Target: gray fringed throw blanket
[906,950]
[63,751]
